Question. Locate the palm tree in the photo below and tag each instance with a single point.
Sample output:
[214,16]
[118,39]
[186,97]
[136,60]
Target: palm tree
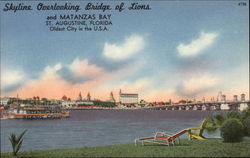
[214,123]
[16,142]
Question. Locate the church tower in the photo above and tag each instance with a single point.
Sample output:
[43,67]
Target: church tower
[79,97]
[88,97]
[112,99]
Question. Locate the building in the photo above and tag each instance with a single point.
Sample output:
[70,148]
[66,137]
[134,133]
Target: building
[68,104]
[4,101]
[128,98]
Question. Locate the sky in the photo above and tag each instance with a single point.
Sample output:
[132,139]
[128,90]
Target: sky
[177,50]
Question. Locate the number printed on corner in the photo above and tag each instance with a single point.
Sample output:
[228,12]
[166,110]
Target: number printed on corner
[242,4]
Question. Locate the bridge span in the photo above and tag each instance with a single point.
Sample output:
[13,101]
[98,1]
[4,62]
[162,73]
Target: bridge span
[228,105]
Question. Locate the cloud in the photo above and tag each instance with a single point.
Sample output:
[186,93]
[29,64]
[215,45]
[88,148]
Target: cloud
[53,84]
[55,80]
[51,70]
[198,84]
[69,76]
[80,71]
[196,46]
[132,45]
[11,79]
[82,68]
[137,85]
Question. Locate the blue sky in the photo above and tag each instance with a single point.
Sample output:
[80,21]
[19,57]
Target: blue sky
[175,50]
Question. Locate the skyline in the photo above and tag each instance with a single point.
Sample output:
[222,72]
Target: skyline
[87,94]
[175,50]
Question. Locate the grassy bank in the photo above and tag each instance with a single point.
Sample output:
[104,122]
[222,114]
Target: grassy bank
[193,148]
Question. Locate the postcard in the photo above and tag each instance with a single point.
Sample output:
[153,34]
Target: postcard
[124,78]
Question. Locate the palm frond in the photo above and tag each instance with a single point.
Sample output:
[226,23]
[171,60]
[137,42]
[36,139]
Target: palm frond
[21,135]
[19,146]
[12,139]
[16,142]
[211,130]
[211,125]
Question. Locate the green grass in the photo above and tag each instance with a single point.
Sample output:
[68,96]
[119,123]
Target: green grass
[193,148]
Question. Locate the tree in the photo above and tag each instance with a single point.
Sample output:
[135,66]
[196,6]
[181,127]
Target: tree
[246,123]
[215,122]
[232,130]
[245,113]
[16,142]
[182,101]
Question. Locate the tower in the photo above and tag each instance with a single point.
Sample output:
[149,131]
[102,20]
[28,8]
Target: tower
[64,97]
[219,97]
[242,97]
[203,99]
[88,97]
[223,98]
[79,97]
[235,98]
[120,92]
[112,99]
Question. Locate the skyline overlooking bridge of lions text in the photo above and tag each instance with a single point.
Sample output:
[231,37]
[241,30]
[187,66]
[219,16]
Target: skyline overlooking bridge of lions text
[172,51]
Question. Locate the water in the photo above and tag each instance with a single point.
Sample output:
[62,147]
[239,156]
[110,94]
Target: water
[86,128]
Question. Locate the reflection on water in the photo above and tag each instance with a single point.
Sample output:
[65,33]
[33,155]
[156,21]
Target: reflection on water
[97,127]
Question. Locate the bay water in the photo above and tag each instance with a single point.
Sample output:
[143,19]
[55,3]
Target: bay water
[88,128]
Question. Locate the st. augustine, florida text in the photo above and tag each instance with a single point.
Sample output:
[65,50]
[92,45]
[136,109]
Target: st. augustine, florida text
[79,22]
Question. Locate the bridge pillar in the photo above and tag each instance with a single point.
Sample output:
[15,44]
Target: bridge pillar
[212,107]
[183,107]
[234,106]
[174,108]
[204,107]
[243,106]
[191,107]
[224,107]
[197,107]
[218,107]
[169,108]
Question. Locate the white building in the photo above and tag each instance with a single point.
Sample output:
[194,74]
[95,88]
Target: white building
[128,98]
[68,104]
[4,101]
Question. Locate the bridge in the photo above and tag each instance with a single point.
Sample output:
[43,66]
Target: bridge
[226,105]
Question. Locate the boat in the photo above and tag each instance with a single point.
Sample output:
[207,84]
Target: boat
[37,113]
